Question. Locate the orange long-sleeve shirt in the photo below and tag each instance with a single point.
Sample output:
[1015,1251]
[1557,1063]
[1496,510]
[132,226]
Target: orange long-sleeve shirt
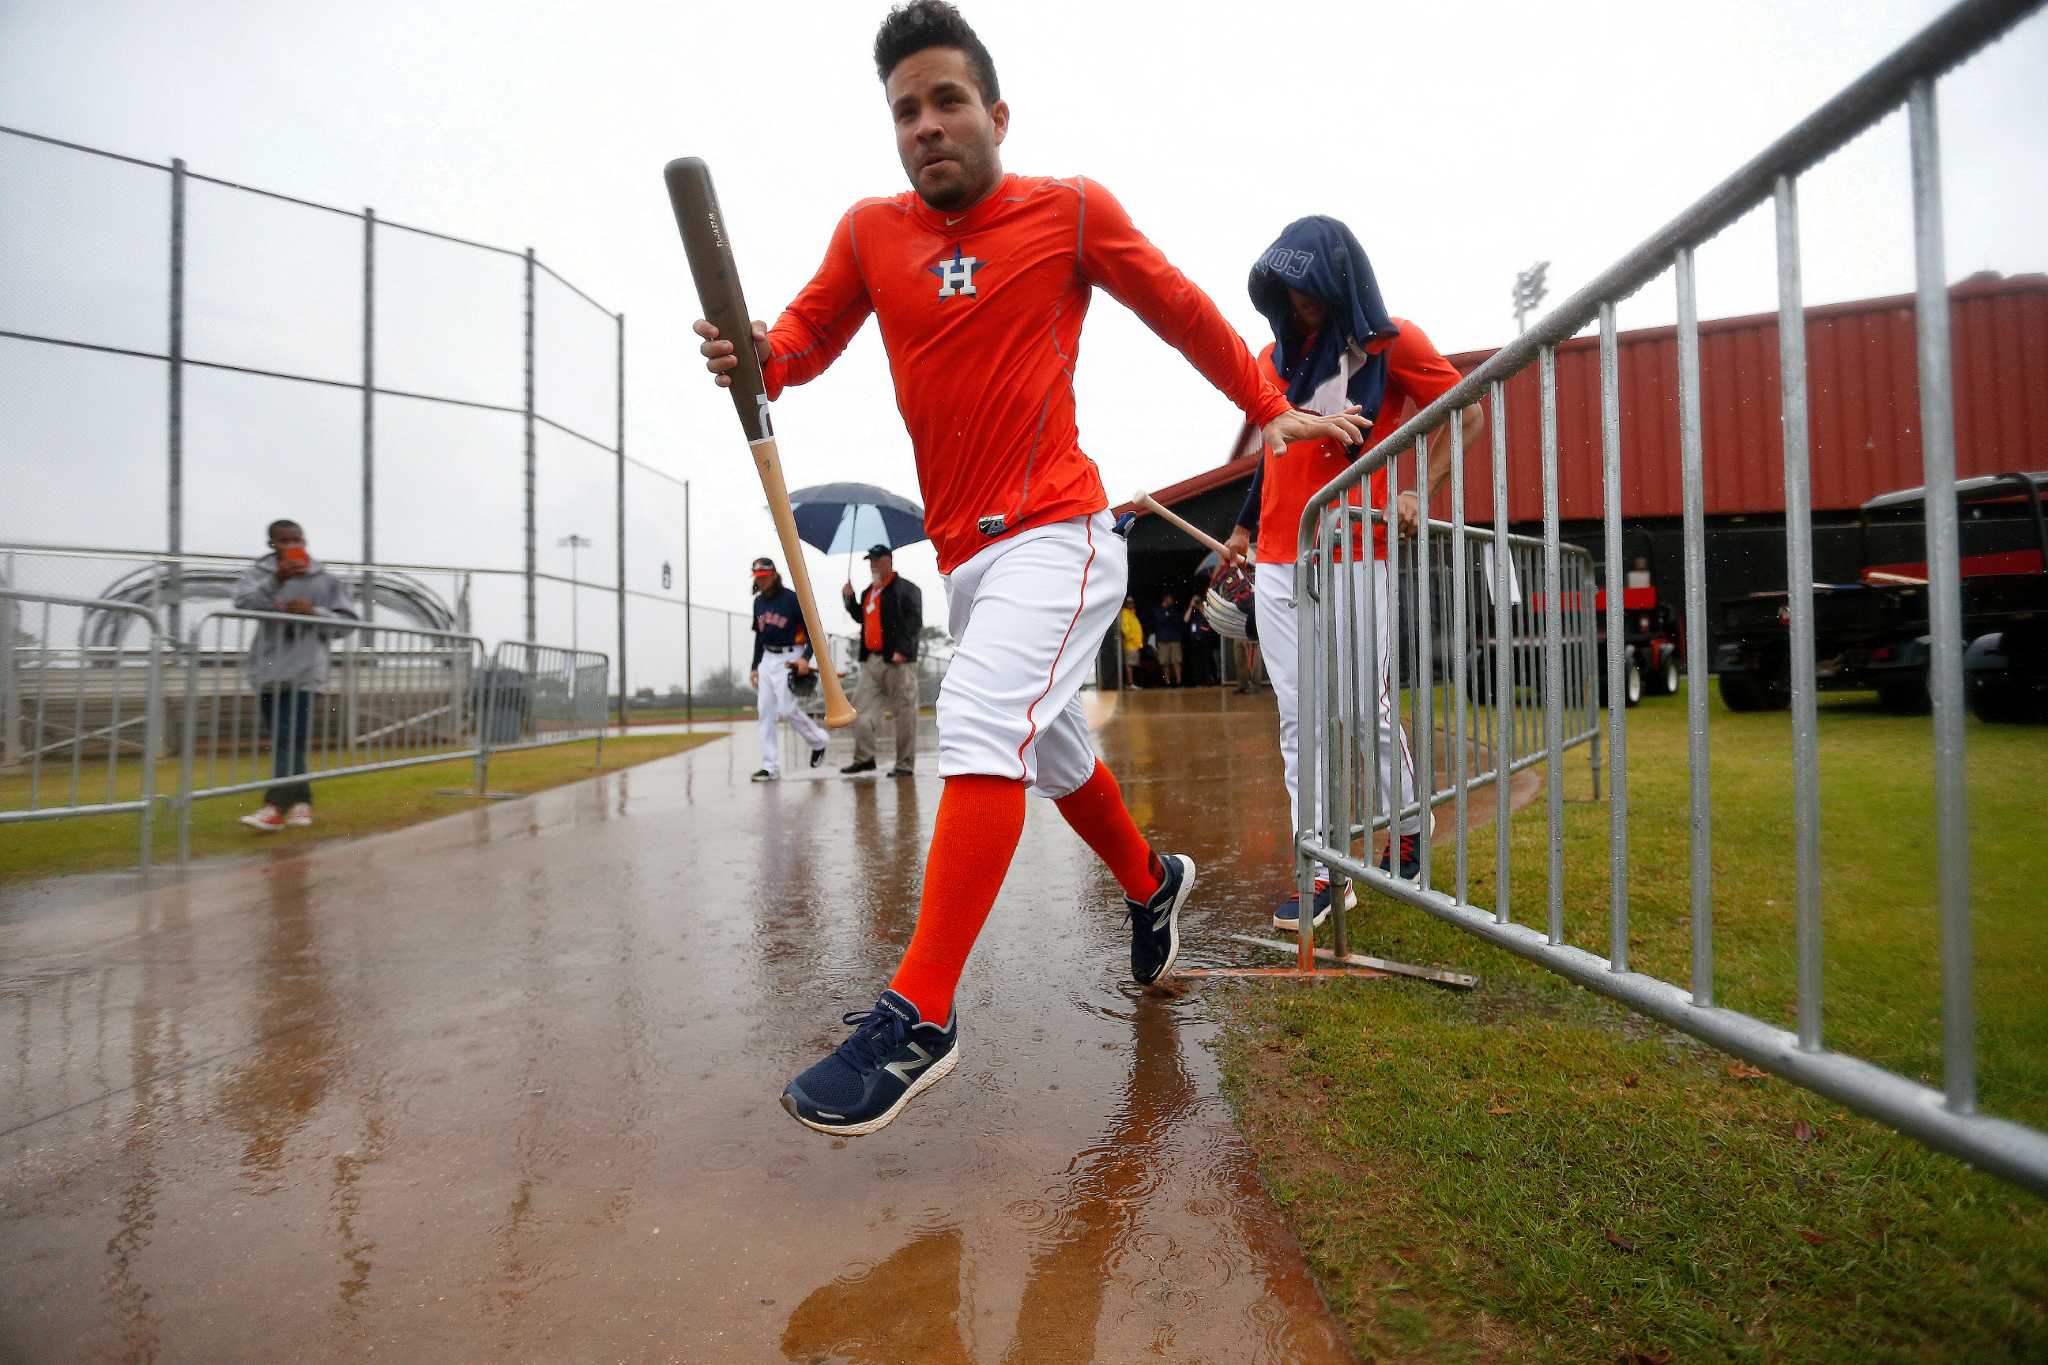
[1416,374]
[981,317]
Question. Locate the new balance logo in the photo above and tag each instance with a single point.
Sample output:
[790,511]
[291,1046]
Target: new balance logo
[957,275]
[901,1070]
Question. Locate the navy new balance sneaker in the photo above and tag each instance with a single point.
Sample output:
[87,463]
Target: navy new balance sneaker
[1288,915]
[891,1057]
[1411,858]
[1155,925]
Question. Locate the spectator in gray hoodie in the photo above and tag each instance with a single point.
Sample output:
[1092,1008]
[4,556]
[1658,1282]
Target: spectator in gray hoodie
[288,664]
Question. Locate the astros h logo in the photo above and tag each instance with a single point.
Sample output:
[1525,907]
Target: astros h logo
[957,275]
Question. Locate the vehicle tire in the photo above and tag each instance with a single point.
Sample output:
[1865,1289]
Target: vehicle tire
[1754,692]
[1632,684]
[1997,700]
[1906,695]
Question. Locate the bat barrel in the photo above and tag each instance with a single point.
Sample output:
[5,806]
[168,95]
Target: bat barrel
[709,248]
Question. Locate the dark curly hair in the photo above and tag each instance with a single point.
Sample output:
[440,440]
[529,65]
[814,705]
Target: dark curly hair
[921,24]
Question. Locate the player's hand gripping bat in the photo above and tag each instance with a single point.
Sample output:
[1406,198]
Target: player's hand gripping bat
[718,290]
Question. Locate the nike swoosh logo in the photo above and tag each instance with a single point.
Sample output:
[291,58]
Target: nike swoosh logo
[951,221]
[1159,920]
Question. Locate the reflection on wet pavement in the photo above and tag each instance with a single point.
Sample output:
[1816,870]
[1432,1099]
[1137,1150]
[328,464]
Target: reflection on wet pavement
[504,1086]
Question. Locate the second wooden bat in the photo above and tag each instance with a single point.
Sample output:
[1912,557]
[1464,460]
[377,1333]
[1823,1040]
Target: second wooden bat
[1153,505]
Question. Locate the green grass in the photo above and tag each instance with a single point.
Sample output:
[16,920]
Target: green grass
[1525,1171]
[345,807]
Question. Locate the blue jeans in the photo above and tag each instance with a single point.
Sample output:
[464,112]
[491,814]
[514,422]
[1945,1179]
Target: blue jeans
[287,722]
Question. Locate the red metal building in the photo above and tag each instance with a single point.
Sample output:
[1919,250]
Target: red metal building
[1863,394]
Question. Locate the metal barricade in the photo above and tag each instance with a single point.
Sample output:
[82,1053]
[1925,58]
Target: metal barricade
[534,694]
[79,732]
[1947,1118]
[256,715]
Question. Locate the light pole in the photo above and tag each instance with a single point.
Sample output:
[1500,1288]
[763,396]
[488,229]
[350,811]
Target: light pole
[1530,290]
[574,543]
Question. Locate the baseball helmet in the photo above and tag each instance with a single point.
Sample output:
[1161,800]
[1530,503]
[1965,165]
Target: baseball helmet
[1229,603]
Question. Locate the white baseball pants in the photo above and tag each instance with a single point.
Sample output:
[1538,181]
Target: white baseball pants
[1280,644]
[776,701]
[1029,614]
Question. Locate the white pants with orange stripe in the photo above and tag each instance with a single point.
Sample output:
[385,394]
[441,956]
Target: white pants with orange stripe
[1029,614]
[1279,641]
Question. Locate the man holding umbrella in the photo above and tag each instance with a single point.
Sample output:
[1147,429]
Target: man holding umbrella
[891,615]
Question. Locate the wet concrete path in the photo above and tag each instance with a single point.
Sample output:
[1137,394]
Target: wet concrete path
[504,1087]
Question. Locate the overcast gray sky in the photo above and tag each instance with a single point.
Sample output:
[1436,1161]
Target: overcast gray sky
[1461,142]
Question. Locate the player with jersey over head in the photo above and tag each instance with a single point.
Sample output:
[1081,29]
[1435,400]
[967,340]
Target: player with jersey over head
[782,649]
[1336,348]
[979,281]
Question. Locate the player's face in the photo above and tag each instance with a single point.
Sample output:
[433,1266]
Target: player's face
[763,581]
[1309,311]
[945,136]
[286,536]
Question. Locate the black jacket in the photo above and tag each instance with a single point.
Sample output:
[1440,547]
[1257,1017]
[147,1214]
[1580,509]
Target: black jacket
[902,617]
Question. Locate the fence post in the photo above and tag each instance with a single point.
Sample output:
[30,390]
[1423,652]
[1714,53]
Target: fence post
[1944,605]
[10,686]
[187,747]
[689,622]
[487,675]
[369,583]
[532,563]
[174,419]
[619,441]
[152,739]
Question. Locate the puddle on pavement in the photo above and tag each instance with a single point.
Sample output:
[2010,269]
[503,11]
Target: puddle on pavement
[505,1086]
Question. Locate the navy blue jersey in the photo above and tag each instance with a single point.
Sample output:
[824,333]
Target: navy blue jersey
[778,623]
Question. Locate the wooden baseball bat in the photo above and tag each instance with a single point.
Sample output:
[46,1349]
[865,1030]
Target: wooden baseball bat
[1152,504]
[725,307]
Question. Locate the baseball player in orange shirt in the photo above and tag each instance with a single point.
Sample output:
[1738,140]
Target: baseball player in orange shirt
[1336,348]
[979,281]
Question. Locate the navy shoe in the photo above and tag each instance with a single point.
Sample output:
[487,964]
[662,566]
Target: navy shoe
[817,755]
[1155,925]
[1411,858]
[867,1080]
[1288,915]
[763,775]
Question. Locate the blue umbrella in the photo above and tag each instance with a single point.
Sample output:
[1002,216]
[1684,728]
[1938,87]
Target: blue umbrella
[845,517]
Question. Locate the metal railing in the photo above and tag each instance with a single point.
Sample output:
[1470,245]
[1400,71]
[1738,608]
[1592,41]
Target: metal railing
[85,726]
[1947,1118]
[703,648]
[80,734]
[387,697]
[536,694]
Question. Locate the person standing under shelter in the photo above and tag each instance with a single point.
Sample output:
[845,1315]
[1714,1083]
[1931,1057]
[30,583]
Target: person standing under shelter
[891,615]
[1133,632]
[1169,633]
[288,665]
[781,647]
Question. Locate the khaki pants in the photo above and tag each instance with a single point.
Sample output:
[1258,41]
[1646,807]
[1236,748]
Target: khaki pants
[892,685]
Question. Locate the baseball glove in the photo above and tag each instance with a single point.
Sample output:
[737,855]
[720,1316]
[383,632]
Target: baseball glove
[803,684]
[1229,603]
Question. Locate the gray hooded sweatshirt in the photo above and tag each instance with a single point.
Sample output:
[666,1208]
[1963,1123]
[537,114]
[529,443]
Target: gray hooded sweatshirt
[287,654]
